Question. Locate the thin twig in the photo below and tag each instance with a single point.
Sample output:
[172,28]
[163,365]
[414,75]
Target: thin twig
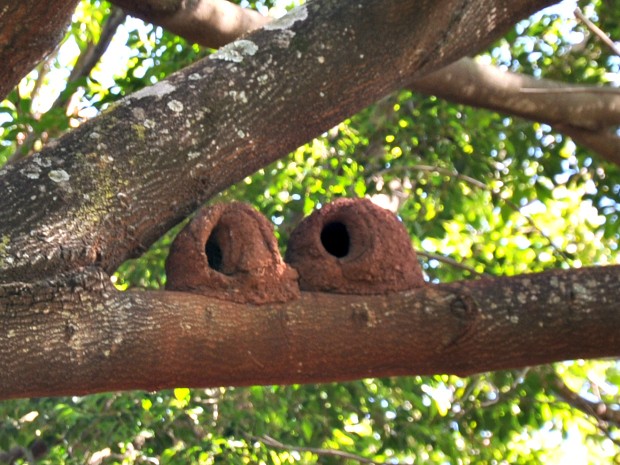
[480,185]
[271,442]
[452,174]
[452,262]
[602,415]
[94,51]
[511,393]
[597,31]
[534,226]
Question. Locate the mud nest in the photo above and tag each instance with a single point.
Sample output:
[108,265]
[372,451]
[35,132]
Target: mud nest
[229,251]
[352,246]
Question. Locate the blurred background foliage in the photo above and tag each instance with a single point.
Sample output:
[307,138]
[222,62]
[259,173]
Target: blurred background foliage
[481,194]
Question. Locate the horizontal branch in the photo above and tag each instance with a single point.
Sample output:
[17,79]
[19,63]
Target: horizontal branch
[466,81]
[152,340]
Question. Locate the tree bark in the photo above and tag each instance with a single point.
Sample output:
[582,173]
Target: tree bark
[584,113]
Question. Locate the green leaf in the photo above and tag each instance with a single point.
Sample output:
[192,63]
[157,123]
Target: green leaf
[181,394]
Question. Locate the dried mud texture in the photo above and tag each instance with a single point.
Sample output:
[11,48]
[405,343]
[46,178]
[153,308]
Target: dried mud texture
[352,246]
[229,251]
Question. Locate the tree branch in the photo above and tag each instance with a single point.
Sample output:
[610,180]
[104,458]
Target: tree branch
[70,215]
[91,55]
[599,410]
[451,262]
[582,117]
[78,336]
[586,116]
[88,59]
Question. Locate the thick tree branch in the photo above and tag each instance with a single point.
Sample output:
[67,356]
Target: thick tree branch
[587,115]
[79,336]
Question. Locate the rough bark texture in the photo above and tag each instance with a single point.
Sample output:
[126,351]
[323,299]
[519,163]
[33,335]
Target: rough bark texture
[85,337]
[29,30]
[73,213]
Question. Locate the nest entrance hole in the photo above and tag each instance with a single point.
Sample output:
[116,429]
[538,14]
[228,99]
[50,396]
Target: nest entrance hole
[213,250]
[335,239]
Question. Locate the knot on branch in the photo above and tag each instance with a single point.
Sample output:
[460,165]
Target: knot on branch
[352,246]
[229,251]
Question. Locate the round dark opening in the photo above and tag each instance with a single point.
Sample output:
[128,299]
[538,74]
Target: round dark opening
[214,252]
[335,238]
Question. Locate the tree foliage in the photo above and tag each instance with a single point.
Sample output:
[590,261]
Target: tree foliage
[481,193]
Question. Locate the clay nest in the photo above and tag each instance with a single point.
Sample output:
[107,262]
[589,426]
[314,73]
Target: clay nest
[229,251]
[352,246]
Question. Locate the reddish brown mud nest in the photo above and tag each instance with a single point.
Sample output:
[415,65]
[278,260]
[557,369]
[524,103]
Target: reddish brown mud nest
[352,246]
[229,251]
